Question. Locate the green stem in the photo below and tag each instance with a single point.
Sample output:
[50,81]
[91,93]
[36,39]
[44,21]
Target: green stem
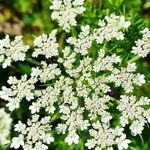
[141,138]
[135,58]
[55,117]
[32,61]
[81,144]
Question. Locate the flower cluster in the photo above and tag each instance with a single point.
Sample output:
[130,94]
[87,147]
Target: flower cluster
[142,47]
[33,135]
[19,90]
[73,120]
[46,72]
[12,51]
[132,111]
[105,63]
[98,107]
[72,88]
[104,137]
[65,12]
[5,125]
[126,77]
[45,99]
[111,28]
[46,45]
[84,42]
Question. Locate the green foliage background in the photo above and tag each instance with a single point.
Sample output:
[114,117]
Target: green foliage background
[32,17]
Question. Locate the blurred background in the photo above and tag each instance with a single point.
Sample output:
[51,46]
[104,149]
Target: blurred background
[32,17]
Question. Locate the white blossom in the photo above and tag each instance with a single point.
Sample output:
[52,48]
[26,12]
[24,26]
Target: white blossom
[111,28]
[104,137]
[126,77]
[122,142]
[68,92]
[84,41]
[73,121]
[36,132]
[12,51]
[68,58]
[142,47]
[72,137]
[137,127]
[65,12]
[84,68]
[132,111]
[17,142]
[97,106]
[69,97]
[18,90]
[46,72]
[99,84]
[105,63]
[46,45]
[45,99]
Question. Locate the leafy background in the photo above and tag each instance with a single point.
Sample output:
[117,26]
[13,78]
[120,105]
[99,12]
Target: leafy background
[32,17]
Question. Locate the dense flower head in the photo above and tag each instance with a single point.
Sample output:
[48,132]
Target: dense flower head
[111,28]
[12,51]
[133,111]
[104,137]
[84,42]
[18,90]
[105,63]
[142,47]
[65,12]
[71,87]
[46,72]
[46,45]
[126,77]
[34,133]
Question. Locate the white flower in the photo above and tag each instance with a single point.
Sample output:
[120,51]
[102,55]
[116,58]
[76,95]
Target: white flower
[46,100]
[18,90]
[142,47]
[65,12]
[111,28]
[36,132]
[102,136]
[5,125]
[122,142]
[84,41]
[17,142]
[69,97]
[72,85]
[146,114]
[84,68]
[68,58]
[137,127]
[61,128]
[48,139]
[12,51]
[126,78]
[72,138]
[90,143]
[46,45]
[97,106]
[105,63]
[73,121]
[133,111]
[20,127]
[47,72]
[100,85]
